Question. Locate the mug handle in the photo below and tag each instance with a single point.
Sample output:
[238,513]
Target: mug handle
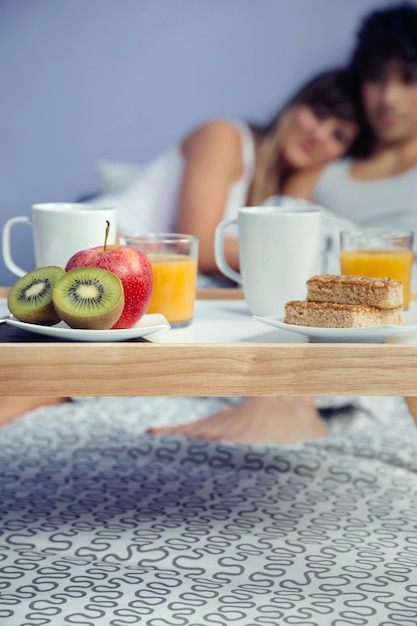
[7,257]
[221,262]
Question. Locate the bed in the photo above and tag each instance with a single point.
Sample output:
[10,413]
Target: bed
[102,524]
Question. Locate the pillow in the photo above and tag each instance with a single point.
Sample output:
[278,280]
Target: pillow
[115,175]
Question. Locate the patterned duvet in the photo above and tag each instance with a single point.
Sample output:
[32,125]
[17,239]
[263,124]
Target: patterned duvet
[103,525]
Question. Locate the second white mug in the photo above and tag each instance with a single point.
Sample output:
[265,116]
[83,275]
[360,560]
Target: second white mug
[279,250]
[60,229]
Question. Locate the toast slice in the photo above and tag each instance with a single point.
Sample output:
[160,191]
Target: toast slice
[332,315]
[383,293]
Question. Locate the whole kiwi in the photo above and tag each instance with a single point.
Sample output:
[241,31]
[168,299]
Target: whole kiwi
[30,298]
[89,297]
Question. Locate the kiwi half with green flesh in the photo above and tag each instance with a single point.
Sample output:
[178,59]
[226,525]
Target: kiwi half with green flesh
[89,297]
[30,298]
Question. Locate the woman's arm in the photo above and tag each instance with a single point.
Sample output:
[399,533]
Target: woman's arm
[213,162]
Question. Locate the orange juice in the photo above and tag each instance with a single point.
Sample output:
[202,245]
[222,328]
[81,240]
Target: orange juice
[379,263]
[174,288]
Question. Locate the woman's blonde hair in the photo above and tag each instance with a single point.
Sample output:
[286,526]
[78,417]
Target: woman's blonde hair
[330,95]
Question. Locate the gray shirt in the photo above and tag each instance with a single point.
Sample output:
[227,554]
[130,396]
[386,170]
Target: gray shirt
[387,203]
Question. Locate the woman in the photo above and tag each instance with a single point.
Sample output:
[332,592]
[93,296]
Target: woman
[222,166]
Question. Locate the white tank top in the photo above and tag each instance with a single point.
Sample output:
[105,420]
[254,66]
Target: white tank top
[387,203]
[150,202]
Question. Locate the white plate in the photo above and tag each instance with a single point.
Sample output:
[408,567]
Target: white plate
[369,334]
[147,325]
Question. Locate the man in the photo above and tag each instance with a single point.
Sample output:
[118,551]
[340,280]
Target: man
[377,189]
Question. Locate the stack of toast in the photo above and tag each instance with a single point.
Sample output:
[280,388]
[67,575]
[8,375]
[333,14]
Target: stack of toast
[347,302]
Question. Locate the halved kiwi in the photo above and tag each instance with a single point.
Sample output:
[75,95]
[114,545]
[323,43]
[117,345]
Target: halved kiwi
[30,298]
[89,297]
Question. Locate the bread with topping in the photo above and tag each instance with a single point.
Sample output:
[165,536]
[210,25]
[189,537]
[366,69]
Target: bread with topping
[332,315]
[383,293]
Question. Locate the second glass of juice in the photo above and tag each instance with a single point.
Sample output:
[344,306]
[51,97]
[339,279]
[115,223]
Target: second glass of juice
[173,258]
[379,254]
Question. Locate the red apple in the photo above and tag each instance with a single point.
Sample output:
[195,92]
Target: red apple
[131,266]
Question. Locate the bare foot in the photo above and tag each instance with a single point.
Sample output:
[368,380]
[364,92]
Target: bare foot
[14,406]
[286,419]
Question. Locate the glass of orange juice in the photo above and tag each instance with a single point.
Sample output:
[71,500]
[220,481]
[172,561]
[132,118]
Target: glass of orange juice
[379,254]
[174,264]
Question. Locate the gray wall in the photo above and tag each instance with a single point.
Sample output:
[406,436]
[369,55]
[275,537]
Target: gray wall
[122,79]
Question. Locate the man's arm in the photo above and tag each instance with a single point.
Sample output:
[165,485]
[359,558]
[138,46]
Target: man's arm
[303,183]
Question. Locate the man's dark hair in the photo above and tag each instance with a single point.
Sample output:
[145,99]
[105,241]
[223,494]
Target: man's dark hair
[384,35]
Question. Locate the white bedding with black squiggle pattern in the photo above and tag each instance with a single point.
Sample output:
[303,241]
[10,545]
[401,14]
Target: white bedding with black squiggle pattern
[101,525]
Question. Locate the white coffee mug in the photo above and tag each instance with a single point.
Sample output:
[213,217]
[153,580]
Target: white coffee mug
[60,229]
[279,250]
